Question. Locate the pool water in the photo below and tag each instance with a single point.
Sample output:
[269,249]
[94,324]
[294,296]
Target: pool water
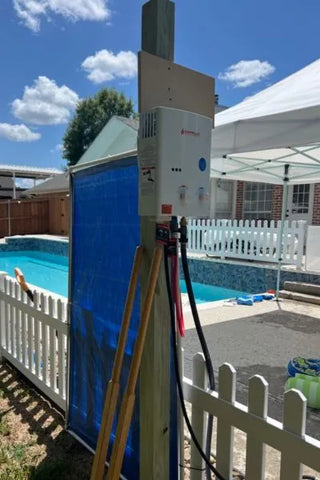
[44,270]
[50,272]
[207,293]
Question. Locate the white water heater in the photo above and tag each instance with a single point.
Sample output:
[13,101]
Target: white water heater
[174,163]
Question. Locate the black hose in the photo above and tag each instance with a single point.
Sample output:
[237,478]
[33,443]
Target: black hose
[204,346]
[177,373]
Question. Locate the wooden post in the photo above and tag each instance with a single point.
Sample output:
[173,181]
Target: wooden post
[157,39]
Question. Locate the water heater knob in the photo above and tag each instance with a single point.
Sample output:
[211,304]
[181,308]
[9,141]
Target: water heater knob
[202,193]
[183,192]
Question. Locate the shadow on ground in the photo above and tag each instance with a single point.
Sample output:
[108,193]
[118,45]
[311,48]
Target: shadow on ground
[49,451]
[262,344]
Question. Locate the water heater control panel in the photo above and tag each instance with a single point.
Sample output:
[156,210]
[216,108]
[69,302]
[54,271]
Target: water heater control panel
[174,163]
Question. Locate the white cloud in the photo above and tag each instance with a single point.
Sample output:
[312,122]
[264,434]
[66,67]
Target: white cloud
[57,148]
[105,66]
[31,11]
[247,72]
[45,103]
[18,133]
[24,182]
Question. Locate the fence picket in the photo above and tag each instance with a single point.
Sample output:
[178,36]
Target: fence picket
[30,338]
[37,336]
[7,319]
[44,338]
[24,331]
[294,421]
[52,340]
[227,384]
[12,320]
[200,379]
[17,293]
[257,405]
[301,234]
[61,355]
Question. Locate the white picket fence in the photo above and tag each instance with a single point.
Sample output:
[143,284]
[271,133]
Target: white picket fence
[248,240]
[33,337]
[296,448]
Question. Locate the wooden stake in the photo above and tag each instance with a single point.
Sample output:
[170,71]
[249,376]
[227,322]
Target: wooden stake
[129,396]
[114,385]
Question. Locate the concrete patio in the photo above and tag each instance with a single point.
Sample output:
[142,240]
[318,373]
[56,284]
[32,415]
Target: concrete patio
[259,340]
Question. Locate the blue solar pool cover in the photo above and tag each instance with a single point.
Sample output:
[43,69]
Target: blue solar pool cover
[105,234]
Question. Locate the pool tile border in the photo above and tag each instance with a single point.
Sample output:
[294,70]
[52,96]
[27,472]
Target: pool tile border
[243,277]
[56,247]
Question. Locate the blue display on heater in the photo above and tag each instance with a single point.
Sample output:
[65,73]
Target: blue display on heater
[202,164]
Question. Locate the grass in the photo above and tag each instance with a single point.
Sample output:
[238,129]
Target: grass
[33,442]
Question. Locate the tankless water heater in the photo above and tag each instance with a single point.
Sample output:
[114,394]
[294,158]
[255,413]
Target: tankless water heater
[174,163]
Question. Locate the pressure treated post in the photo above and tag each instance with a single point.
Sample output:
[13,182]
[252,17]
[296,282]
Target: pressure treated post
[157,39]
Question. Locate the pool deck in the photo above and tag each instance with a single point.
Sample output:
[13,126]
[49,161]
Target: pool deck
[258,339]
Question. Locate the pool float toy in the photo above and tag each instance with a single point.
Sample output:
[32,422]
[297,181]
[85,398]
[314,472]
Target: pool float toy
[308,385]
[258,298]
[245,300]
[268,296]
[21,281]
[306,366]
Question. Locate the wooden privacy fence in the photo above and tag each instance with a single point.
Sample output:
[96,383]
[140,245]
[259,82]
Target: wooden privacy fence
[296,448]
[21,217]
[33,337]
[248,240]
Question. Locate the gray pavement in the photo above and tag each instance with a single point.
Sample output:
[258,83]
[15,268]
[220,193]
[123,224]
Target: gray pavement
[259,340]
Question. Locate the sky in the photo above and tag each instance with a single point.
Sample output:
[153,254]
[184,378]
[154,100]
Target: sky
[56,52]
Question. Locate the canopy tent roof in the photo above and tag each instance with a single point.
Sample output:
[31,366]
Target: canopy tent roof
[278,126]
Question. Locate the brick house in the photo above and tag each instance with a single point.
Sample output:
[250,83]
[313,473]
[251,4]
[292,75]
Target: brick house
[262,201]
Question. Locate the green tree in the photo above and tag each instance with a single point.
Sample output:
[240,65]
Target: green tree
[90,117]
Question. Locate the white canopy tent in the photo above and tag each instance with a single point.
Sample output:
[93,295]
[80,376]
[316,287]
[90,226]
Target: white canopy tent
[273,136]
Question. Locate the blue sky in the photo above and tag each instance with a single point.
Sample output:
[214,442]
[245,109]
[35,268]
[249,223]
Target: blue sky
[55,52]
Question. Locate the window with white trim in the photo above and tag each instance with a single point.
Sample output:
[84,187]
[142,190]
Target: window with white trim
[224,198]
[257,201]
[300,198]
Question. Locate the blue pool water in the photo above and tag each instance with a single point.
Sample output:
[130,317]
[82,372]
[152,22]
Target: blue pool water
[207,293]
[42,269]
[50,271]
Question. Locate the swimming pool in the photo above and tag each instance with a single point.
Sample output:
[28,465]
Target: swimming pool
[207,293]
[50,271]
[45,270]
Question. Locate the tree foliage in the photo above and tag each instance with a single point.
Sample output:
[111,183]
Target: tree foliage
[90,117]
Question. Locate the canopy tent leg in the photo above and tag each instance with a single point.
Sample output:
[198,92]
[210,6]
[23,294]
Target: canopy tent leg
[283,218]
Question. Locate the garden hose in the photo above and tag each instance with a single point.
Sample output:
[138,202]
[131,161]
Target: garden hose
[204,346]
[176,368]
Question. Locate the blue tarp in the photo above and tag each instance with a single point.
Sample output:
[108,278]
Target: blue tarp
[105,234]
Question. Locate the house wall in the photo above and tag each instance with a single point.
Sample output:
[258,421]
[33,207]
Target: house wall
[277,192]
[316,205]
[239,201]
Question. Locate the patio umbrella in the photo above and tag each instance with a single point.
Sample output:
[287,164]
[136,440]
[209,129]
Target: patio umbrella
[272,137]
